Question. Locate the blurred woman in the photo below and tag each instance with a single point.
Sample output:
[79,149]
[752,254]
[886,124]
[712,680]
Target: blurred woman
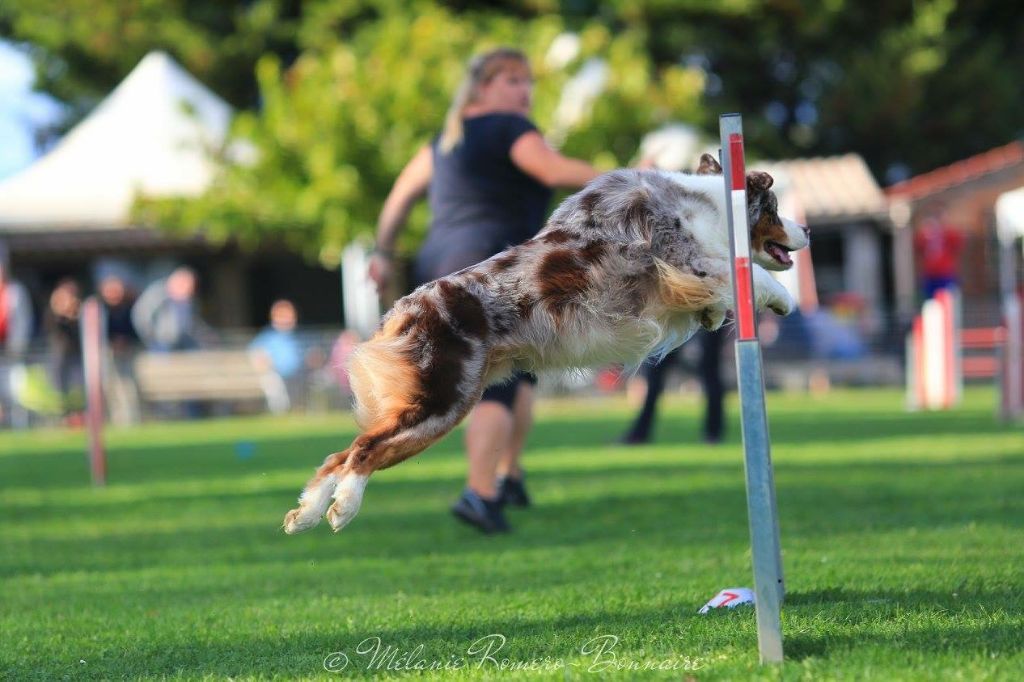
[65,345]
[488,178]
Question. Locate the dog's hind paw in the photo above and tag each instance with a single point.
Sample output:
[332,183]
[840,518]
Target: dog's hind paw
[312,504]
[296,522]
[348,497]
[337,518]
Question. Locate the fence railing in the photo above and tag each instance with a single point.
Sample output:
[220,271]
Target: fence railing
[829,347]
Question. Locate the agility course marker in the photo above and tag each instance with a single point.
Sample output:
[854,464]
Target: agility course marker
[934,375]
[92,326]
[769,588]
[941,354]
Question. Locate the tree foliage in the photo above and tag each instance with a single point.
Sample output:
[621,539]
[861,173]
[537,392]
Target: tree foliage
[910,85]
[337,126]
[337,94]
[83,48]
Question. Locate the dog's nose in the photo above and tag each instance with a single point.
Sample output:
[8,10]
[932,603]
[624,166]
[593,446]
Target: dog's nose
[807,230]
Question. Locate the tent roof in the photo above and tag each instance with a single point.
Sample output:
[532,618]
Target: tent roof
[149,136]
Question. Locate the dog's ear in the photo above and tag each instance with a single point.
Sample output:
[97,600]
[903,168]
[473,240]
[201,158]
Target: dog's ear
[758,182]
[709,165]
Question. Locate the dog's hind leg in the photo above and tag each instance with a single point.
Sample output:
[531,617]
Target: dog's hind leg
[448,388]
[381,450]
[343,475]
[413,382]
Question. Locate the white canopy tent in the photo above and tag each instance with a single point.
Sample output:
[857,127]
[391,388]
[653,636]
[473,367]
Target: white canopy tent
[151,135]
[1010,216]
[1009,228]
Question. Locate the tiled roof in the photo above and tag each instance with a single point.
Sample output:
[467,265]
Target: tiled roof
[957,173]
[832,189]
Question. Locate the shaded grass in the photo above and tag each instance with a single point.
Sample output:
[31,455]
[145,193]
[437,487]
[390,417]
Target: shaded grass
[902,538]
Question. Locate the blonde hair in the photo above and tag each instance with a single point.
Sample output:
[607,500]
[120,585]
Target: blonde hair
[481,70]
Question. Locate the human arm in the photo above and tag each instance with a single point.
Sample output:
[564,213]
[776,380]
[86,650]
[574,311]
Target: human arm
[532,155]
[411,184]
[143,313]
[259,351]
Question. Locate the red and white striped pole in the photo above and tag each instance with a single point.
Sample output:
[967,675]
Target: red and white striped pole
[761,508]
[92,363]
[934,354]
[746,325]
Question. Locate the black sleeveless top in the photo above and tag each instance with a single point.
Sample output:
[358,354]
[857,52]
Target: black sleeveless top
[480,201]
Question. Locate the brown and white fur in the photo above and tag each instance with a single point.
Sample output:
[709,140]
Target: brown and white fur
[632,264]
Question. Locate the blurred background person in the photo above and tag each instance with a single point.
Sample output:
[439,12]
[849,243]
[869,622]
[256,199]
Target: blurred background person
[16,320]
[938,245]
[118,302]
[277,348]
[709,364]
[166,315]
[341,351]
[65,347]
[709,369]
[122,344]
[837,332]
[488,177]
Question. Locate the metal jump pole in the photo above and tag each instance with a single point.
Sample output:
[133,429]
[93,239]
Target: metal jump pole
[764,525]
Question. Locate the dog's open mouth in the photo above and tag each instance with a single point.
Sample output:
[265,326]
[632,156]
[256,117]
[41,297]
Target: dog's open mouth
[779,252]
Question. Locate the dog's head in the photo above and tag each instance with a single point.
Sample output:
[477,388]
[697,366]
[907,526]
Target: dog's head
[772,237]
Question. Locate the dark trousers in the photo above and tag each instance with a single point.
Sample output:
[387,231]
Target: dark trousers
[709,369]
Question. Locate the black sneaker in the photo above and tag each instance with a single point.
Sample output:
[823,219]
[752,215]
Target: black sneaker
[485,515]
[512,492]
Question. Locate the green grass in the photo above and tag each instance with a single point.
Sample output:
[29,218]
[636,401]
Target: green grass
[902,538]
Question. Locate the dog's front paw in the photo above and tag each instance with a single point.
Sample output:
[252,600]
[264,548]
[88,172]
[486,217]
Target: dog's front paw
[782,305]
[712,318]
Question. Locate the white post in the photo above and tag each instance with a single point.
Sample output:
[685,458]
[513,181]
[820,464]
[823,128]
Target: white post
[1012,379]
[359,295]
[93,337]
[764,525]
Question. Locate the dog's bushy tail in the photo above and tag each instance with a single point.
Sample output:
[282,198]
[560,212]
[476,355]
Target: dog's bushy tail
[681,290]
[383,378]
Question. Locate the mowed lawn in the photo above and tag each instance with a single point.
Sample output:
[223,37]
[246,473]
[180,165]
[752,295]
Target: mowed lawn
[902,536]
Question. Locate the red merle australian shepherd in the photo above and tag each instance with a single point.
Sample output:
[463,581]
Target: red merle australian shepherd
[632,264]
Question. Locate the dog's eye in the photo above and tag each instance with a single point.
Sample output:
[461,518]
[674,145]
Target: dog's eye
[755,213]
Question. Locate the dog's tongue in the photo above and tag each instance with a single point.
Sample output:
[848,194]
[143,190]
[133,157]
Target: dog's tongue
[778,253]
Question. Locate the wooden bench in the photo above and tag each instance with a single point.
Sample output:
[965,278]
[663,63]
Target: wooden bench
[209,376]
